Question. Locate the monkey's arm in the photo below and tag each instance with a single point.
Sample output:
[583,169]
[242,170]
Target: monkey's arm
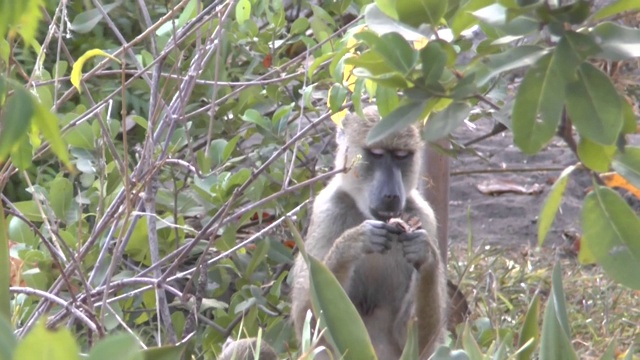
[429,297]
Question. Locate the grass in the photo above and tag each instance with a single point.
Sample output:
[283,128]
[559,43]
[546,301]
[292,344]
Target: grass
[500,282]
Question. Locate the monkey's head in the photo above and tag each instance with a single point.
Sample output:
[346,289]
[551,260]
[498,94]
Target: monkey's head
[387,170]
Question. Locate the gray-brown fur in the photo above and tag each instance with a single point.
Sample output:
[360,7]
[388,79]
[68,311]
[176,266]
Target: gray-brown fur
[244,349]
[389,276]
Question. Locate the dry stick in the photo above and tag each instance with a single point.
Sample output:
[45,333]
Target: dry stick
[178,77]
[54,299]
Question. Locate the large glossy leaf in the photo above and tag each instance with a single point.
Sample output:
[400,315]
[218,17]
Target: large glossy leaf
[530,331]
[7,339]
[627,164]
[463,18]
[572,50]
[617,42]
[509,60]
[381,23]
[332,306]
[594,105]
[400,118]
[440,124]
[538,106]
[616,7]
[610,231]
[595,156]
[418,12]
[87,20]
[552,204]
[15,119]
[344,324]
[393,48]
[555,342]
[41,343]
[433,59]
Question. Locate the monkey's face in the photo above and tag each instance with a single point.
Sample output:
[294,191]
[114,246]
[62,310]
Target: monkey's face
[387,171]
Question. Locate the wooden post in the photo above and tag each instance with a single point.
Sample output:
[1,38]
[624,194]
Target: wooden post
[435,187]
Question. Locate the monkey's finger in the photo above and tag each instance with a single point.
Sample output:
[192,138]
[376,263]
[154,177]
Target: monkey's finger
[383,226]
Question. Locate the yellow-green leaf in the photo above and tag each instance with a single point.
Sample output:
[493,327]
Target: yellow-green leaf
[552,204]
[41,343]
[76,71]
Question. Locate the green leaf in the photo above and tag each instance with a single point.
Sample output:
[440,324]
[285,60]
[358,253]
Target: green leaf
[61,197]
[439,125]
[371,61]
[595,156]
[610,351]
[7,339]
[29,209]
[41,343]
[538,106]
[572,50]
[433,60]
[470,345]
[81,136]
[556,336]
[393,48]
[417,12]
[463,18]
[15,119]
[410,350]
[381,23]
[169,352]
[616,8]
[552,204]
[617,42]
[87,20]
[391,80]
[594,105]
[610,231]
[299,26]
[530,332]
[399,119]
[511,59]
[337,97]
[47,123]
[627,164]
[344,324]
[21,154]
[121,346]
[243,11]
[387,7]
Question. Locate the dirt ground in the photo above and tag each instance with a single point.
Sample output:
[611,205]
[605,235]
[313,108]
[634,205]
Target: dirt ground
[510,219]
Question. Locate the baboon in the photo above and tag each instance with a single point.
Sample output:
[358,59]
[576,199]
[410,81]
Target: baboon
[389,275]
[243,349]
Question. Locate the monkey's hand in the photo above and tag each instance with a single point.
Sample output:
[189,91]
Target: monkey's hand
[418,248]
[377,236]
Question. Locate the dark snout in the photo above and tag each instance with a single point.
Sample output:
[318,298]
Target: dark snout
[387,195]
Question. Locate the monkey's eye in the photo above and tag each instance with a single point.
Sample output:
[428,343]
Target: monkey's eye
[375,152]
[401,154]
